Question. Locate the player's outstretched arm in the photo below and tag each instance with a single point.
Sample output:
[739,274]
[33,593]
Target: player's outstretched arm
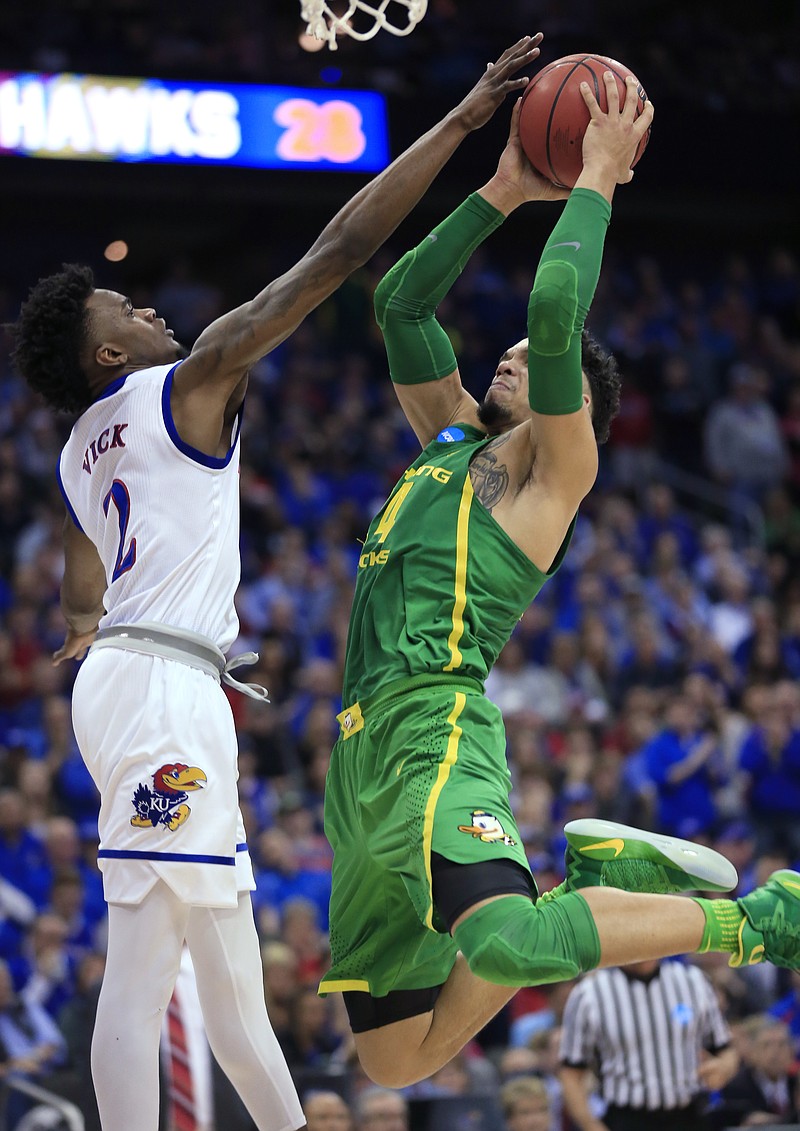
[566,450]
[225,351]
[421,359]
[82,591]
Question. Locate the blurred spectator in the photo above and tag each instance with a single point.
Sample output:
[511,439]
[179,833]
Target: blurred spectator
[281,878]
[280,983]
[44,968]
[647,661]
[526,1105]
[309,1041]
[22,855]
[76,1023]
[683,762]
[764,1090]
[745,450]
[31,1045]
[787,1010]
[770,760]
[379,1109]
[326,1111]
[659,516]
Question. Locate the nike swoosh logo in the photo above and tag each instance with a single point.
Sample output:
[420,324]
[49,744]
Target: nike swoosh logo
[570,243]
[616,844]
[399,768]
[433,238]
[790,884]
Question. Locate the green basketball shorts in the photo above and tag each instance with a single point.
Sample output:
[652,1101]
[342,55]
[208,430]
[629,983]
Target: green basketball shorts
[421,769]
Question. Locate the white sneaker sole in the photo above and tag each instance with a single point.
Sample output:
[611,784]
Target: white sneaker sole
[711,870]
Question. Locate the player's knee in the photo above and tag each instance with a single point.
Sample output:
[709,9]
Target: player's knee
[513,943]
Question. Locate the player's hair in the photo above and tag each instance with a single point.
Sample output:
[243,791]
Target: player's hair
[602,373]
[50,334]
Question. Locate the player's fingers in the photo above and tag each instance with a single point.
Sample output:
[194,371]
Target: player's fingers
[514,130]
[522,53]
[612,93]
[645,119]
[519,48]
[590,100]
[631,98]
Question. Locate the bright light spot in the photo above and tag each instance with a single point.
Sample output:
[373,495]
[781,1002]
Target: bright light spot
[116,251]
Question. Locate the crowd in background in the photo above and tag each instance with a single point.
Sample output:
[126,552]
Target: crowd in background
[654,680]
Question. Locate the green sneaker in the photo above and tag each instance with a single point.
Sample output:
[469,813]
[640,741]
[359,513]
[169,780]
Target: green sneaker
[770,930]
[617,856]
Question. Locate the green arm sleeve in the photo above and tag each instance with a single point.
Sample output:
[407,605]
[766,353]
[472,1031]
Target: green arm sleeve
[406,298]
[562,293]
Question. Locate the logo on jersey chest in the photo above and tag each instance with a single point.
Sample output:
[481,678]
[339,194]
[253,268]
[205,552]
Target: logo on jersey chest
[440,474]
[108,438]
[486,827]
[165,804]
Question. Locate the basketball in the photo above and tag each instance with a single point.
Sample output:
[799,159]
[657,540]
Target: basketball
[553,117]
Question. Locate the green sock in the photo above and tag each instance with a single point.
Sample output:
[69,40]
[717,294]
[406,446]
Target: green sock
[554,893]
[723,920]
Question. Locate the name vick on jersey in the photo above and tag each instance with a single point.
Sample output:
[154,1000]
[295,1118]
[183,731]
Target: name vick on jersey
[108,438]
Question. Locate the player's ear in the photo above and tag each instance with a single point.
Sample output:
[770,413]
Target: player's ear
[110,356]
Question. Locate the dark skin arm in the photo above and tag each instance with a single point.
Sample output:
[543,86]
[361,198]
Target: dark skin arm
[82,591]
[210,385]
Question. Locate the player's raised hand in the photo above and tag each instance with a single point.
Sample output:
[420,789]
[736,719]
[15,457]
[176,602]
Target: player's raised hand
[611,139]
[515,171]
[496,82]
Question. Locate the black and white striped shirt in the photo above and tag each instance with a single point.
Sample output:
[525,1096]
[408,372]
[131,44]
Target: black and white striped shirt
[644,1035]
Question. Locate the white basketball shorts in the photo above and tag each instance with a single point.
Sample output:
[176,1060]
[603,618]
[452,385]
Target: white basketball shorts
[158,738]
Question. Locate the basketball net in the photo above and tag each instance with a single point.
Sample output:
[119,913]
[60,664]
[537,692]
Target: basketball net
[324,24]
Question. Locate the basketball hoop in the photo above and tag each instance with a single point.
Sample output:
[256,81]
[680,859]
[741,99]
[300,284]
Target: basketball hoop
[324,24]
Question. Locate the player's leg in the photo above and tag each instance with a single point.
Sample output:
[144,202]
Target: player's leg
[509,942]
[400,1053]
[143,958]
[225,951]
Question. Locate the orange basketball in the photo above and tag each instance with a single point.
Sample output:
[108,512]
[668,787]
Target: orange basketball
[553,117]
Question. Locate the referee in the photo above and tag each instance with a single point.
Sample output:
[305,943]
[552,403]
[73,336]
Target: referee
[643,1029]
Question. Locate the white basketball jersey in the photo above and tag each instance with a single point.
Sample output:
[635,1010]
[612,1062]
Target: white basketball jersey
[163,516]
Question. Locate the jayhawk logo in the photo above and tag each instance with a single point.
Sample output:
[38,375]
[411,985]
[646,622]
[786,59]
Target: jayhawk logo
[165,803]
[487,828]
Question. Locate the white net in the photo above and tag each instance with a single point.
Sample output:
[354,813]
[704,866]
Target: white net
[325,24]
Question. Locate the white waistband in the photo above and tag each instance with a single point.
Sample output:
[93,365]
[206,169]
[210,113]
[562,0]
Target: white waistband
[183,646]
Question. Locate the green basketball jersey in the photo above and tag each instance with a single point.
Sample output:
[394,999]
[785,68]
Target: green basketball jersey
[440,584]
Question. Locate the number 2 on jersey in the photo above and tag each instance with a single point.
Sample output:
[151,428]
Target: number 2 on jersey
[390,514]
[122,501]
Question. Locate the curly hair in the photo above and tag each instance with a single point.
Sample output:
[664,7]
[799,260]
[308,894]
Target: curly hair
[49,335]
[602,373]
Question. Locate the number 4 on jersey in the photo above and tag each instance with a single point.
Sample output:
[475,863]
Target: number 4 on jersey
[390,514]
[122,501]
